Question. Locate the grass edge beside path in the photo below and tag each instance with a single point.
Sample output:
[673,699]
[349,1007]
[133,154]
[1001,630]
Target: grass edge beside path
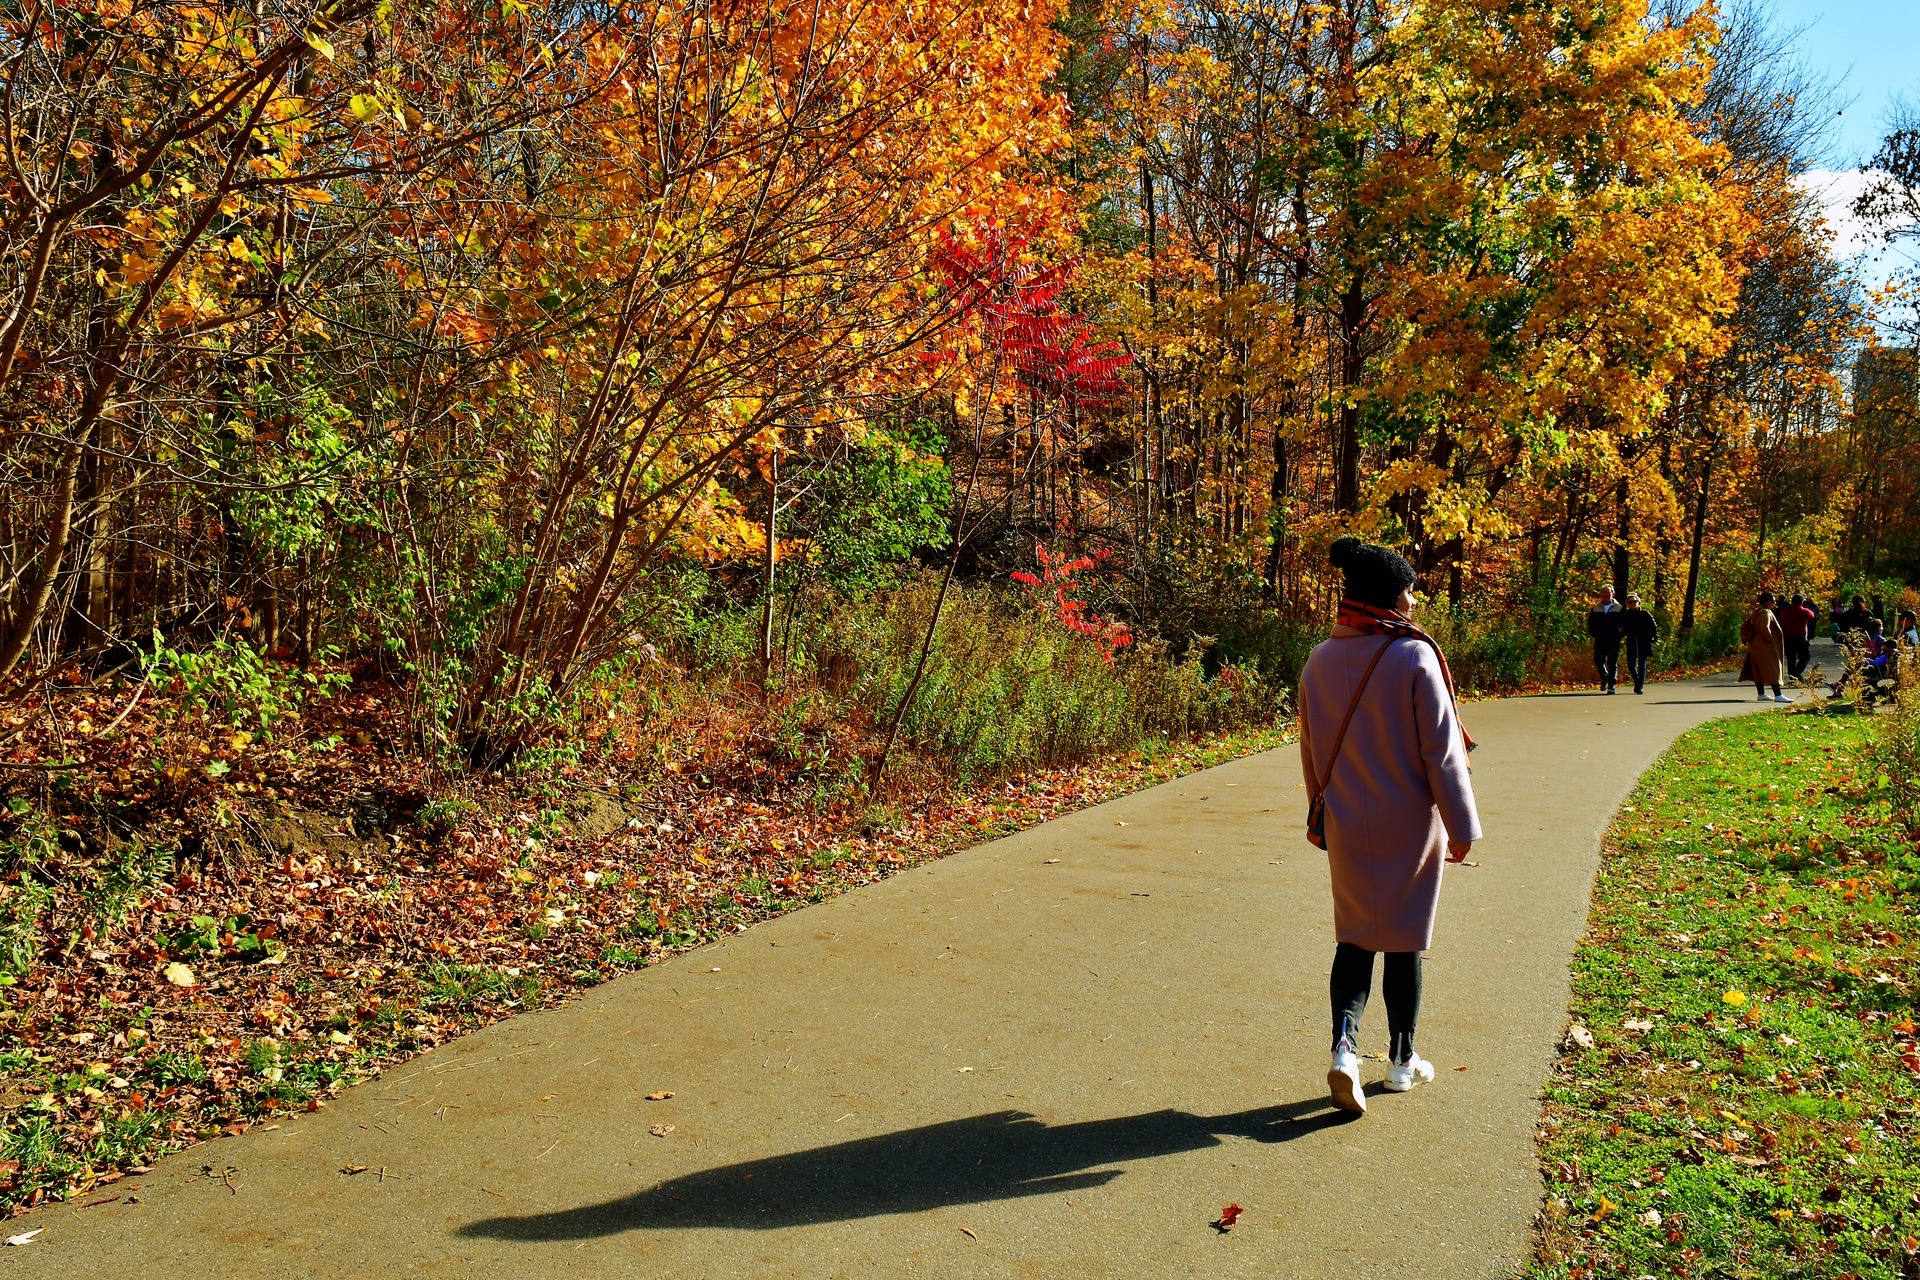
[1739,1089]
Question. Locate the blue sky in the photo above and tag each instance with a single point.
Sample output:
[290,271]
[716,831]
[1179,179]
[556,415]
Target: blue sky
[1871,48]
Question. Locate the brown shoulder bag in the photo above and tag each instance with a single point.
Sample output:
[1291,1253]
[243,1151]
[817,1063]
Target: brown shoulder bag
[1317,804]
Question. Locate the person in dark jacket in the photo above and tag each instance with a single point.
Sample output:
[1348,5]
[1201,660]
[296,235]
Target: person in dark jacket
[1638,629]
[1854,619]
[1797,619]
[1603,625]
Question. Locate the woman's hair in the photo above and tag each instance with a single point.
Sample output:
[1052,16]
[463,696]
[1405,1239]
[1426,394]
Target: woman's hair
[1374,574]
[1765,597]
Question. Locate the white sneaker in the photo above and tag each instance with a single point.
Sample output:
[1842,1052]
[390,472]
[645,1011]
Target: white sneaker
[1402,1076]
[1343,1082]
[1781,697]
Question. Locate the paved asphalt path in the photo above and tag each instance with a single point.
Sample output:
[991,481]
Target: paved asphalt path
[1056,1055]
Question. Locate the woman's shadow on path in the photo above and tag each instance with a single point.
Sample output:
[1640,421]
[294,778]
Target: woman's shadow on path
[1000,1156]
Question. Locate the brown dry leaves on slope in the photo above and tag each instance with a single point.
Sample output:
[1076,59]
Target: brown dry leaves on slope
[310,916]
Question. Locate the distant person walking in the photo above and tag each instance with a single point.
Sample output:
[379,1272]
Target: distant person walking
[1385,758]
[1603,625]
[1638,630]
[1797,619]
[1766,648]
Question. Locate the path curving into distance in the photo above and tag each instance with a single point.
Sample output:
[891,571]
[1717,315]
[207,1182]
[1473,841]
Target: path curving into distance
[995,1065]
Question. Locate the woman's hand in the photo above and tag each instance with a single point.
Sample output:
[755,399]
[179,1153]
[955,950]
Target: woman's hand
[1457,850]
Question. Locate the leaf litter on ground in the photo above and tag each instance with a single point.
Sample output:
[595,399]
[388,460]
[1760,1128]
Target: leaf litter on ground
[252,982]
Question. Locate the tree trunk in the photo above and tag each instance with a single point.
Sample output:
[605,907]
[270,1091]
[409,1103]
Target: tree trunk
[1700,505]
[771,568]
[1622,557]
[1353,309]
[40,583]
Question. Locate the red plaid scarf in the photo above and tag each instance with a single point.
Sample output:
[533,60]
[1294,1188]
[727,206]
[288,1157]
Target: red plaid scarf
[1385,622]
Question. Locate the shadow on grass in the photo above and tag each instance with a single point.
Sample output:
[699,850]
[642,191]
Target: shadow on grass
[1003,1155]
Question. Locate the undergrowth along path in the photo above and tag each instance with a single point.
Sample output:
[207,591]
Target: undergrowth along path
[1061,1053]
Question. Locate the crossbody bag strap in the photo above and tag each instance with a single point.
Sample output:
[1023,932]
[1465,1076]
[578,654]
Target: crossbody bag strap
[1341,736]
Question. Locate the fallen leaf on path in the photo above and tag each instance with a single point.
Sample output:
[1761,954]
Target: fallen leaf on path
[1049,862]
[968,1233]
[659,1095]
[25,1237]
[1470,863]
[1461,1068]
[1230,1215]
[352,1169]
[180,975]
[661,1130]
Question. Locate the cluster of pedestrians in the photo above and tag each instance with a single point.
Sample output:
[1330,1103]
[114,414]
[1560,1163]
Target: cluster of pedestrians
[1621,630]
[1765,632]
[1862,629]
[1778,635]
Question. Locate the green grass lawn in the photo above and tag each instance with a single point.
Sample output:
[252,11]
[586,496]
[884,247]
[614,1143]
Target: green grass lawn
[1747,1105]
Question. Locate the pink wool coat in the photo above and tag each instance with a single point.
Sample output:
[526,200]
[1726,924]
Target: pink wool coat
[1398,792]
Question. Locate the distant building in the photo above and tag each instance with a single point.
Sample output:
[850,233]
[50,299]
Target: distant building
[1884,381]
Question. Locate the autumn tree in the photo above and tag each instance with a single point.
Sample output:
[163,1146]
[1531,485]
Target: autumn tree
[186,186]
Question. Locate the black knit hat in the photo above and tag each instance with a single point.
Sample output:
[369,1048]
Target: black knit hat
[1375,575]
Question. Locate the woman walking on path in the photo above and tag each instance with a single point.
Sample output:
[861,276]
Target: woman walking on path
[1766,649]
[1385,758]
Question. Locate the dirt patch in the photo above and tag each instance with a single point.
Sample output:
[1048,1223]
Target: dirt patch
[594,814]
[301,833]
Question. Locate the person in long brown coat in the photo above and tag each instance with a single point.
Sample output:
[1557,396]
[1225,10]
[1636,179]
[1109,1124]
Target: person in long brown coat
[1397,802]
[1766,643]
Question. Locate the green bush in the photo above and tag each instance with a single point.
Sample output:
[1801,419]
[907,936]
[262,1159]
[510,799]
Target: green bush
[1714,636]
[21,905]
[1007,687]
[231,680]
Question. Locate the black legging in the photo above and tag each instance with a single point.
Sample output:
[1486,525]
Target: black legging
[1352,983]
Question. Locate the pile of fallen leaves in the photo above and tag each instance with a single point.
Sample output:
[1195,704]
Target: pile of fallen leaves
[203,925]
